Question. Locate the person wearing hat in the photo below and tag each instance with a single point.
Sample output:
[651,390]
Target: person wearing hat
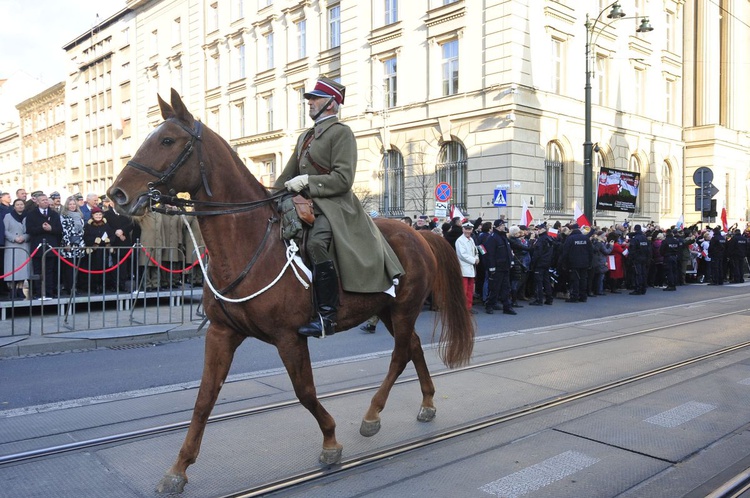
[670,250]
[468,258]
[541,260]
[44,226]
[97,235]
[55,202]
[32,203]
[736,252]
[639,255]
[716,249]
[577,255]
[498,260]
[322,167]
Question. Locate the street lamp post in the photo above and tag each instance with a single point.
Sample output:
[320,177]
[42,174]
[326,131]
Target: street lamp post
[588,147]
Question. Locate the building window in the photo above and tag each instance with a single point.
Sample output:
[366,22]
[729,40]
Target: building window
[176,32]
[213,17]
[213,72]
[154,42]
[451,168]
[601,84]
[669,26]
[269,50]
[639,87]
[450,67]
[556,67]
[301,108]
[669,100]
[266,172]
[213,119]
[238,9]
[390,82]
[268,105]
[238,69]
[553,179]
[665,193]
[334,26]
[392,184]
[634,165]
[301,30]
[391,11]
[238,120]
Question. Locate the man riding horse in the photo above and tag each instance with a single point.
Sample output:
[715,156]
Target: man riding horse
[323,167]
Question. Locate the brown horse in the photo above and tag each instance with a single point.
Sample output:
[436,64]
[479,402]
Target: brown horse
[236,216]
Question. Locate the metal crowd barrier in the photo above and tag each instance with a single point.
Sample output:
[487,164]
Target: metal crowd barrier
[103,288]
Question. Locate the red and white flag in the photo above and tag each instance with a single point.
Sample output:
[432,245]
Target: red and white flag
[526,217]
[724,219]
[456,213]
[580,217]
[552,232]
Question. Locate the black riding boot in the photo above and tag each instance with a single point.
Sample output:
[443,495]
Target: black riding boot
[326,288]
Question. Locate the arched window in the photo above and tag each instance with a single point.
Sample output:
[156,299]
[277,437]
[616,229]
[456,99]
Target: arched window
[634,165]
[553,179]
[451,168]
[665,193]
[392,184]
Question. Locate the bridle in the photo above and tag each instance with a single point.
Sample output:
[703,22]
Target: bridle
[163,178]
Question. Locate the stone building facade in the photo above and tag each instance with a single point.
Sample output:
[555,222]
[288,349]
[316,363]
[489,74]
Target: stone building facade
[476,94]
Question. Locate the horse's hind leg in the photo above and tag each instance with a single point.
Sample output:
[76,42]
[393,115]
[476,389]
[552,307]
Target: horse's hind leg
[405,349]
[296,357]
[220,347]
[427,408]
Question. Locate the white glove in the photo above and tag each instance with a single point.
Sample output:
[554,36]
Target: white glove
[297,183]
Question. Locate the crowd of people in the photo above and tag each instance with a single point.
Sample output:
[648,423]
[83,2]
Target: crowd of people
[82,245]
[503,265]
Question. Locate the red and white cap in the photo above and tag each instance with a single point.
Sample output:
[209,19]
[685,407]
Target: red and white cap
[326,87]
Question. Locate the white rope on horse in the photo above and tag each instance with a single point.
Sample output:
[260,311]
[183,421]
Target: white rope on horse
[291,250]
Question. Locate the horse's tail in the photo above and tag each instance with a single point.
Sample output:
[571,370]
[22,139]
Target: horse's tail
[456,341]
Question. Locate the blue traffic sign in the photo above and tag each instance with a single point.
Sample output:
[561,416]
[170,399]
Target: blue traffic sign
[500,198]
[443,192]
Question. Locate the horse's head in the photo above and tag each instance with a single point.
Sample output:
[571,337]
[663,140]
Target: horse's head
[160,164]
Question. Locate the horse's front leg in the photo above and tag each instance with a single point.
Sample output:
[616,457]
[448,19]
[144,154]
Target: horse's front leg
[221,343]
[296,357]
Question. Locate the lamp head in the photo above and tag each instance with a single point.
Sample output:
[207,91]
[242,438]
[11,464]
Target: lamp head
[616,11]
[645,26]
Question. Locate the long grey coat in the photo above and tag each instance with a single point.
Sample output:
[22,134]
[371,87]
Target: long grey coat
[365,261]
[15,253]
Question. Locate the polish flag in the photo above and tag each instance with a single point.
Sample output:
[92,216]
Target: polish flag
[456,213]
[724,223]
[552,232]
[680,223]
[526,217]
[580,217]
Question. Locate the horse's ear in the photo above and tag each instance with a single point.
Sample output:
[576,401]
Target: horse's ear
[166,110]
[180,110]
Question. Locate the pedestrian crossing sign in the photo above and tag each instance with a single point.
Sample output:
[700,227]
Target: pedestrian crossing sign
[500,198]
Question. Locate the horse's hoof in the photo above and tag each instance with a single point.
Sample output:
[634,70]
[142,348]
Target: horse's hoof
[330,456]
[426,414]
[369,429]
[171,484]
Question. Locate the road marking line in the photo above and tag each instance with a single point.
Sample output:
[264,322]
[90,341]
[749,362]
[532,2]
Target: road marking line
[540,475]
[680,414]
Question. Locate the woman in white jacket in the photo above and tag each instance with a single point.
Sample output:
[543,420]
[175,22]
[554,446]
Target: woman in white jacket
[468,257]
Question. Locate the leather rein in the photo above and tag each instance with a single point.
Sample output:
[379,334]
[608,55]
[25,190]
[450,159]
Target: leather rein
[163,178]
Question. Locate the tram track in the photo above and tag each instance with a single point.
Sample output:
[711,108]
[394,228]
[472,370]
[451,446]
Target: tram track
[409,445]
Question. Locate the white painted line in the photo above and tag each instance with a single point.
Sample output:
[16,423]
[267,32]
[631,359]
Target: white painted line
[745,382]
[540,475]
[594,323]
[680,414]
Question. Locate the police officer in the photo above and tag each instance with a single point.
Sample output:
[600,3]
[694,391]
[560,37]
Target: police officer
[541,260]
[577,254]
[670,249]
[716,248]
[498,261]
[639,253]
[736,252]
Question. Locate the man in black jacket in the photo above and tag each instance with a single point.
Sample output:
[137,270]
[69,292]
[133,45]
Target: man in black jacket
[43,225]
[736,253]
[639,254]
[498,261]
[541,260]
[577,253]
[716,249]
[670,249]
